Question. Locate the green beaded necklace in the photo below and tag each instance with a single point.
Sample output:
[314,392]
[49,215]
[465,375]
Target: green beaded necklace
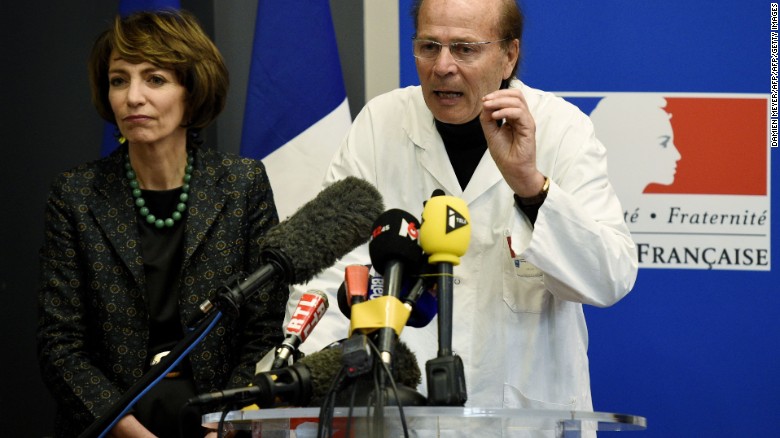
[181,207]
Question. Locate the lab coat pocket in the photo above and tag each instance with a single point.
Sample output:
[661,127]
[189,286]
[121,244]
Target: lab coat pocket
[524,289]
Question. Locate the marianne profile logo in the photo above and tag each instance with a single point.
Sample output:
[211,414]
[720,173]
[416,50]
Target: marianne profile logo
[691,172]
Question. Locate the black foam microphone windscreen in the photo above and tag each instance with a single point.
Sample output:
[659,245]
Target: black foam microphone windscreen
[323,230]
[326,364]
[306,382]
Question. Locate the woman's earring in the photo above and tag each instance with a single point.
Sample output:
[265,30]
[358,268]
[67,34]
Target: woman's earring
[119,137]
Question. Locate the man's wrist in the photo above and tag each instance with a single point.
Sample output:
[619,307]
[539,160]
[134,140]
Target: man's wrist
[537,199]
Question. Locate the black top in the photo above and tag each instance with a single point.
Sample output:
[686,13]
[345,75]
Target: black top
[163,409]
[465,145]
[162,251]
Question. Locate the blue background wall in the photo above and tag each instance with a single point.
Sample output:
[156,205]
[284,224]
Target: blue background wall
[695,352]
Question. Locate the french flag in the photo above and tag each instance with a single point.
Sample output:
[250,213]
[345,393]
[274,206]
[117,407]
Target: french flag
[296,110]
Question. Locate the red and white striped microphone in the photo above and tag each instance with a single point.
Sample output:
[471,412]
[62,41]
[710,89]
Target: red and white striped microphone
[311,307]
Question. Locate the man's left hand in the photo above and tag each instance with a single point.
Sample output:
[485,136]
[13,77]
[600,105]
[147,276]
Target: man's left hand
[513,144]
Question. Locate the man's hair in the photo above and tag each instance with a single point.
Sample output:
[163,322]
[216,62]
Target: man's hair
[168,39]
[510,24]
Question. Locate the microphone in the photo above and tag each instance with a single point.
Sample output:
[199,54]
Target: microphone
[393,249]
[419,297]
[323,230]
[444,235]
[354,288]
[355,283]
[306,316]
[306,382]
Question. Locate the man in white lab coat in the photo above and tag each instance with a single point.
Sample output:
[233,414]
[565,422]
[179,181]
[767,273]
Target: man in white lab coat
[548,233]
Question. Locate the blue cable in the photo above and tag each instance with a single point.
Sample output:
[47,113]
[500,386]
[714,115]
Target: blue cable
[162,376]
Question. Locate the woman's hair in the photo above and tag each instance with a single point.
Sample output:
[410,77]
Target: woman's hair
[168,39]
[510,24]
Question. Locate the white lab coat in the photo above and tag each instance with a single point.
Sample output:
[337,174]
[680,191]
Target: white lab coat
[518,322]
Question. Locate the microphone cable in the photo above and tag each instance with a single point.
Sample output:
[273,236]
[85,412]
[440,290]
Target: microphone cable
[221,423]
[376,400]
[325,422]
[380,408]
[350,410]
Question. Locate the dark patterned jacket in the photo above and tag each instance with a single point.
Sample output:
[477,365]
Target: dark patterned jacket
[93,320]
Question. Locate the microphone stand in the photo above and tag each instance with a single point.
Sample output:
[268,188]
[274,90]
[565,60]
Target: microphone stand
[444,235]
[445,375]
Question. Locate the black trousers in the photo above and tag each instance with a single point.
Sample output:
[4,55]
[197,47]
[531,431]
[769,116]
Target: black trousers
[164,411]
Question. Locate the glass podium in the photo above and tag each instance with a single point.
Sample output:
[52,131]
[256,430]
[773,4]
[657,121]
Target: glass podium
[428,421]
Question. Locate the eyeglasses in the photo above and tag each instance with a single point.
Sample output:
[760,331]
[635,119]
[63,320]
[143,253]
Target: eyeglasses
[465,52]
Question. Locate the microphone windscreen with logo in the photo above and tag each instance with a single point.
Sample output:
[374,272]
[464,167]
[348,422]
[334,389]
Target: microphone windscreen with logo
[446,229]
[394,238]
